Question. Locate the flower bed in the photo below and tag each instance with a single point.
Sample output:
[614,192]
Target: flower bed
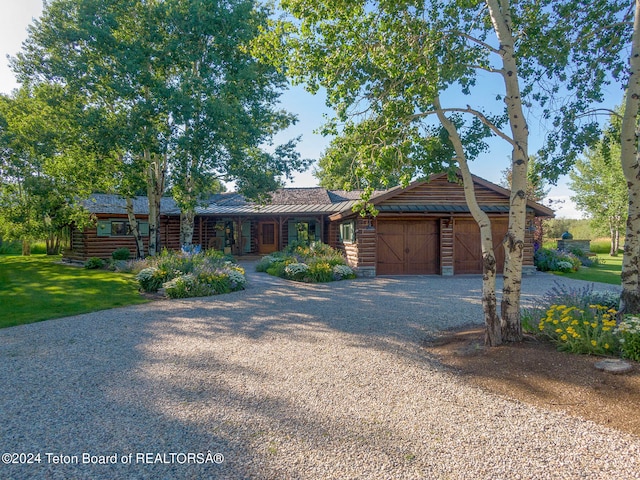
[314,263]
[190,273]
[585,321]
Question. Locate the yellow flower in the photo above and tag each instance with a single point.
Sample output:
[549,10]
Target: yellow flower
[558,330]
[575,322]
[585,323]
[564,338]
[612,310]
[555,322]
[594,325]
[593,342]
[593,306]
[606,329]
[606,345]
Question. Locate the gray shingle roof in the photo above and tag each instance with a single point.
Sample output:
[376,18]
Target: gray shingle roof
[115,204]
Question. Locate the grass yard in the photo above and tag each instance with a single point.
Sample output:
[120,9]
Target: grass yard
[608,271]
[37,288]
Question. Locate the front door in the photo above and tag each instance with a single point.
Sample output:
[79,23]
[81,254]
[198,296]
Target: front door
[267,237]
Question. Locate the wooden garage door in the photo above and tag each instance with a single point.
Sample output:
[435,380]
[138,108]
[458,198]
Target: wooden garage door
[467,251]
[408,248]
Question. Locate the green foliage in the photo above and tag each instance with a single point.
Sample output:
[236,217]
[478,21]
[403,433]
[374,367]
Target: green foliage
[556,261]
[601,189]
[94,263]
[39,287]
[121,254]
[580,229]
[575,330]
[628,332]
[316,262]
[185,275]
[320,271]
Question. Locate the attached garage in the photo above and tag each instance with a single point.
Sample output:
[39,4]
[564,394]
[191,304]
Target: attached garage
[408,247]
[467,250]
[427,228]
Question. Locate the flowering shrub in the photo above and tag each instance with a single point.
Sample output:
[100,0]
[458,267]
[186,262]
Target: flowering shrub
[296,271]
[188,249]
[547,260]
[628,332]
[342,272]
[316,262]
[191,274]
[94,263]
[581,331]
[151,279]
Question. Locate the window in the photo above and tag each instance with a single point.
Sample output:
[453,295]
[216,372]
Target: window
[348,231]
[120,228]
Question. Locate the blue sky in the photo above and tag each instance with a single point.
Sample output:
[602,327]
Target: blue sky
[15,16]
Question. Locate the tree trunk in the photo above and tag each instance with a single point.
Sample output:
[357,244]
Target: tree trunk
[53,244]
[493,330]
[629,157]
[157,166]
[133,223]
[26,248]
[514,240]
[187,220]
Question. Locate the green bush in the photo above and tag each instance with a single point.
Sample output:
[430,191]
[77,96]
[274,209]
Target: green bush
[628,332]
[574,330]
[547,260]
[94,263]
[151,279]
[320,271]
[316,262]
[121,254]
[188,274]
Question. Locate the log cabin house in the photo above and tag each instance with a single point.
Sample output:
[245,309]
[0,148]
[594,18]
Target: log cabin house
[425,228]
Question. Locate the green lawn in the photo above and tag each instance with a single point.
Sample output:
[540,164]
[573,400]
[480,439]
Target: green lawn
[37,288]
[607,272]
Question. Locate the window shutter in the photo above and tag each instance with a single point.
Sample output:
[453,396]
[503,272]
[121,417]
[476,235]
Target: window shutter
[104,228]
[143,229]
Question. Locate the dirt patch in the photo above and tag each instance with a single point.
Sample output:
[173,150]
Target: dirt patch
[536,373]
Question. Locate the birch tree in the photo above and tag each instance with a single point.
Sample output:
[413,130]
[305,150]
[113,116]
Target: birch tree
[390,67]
[189,99]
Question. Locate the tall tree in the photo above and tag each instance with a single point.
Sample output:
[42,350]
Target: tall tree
[601,190]
[47,163]
[388,68]
[188,99]
[630,161]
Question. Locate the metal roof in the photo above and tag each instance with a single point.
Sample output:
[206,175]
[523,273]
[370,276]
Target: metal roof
[441,208]
[278,209]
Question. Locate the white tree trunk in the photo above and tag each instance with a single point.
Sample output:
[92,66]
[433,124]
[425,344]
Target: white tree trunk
[187,220]
[156,172]
[629,157]
[133,222]
[514,241]
[493,330]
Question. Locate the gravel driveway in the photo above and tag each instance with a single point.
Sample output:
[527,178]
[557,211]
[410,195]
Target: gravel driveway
[281,381]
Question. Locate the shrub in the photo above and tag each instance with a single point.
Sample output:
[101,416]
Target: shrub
[190,274]
[315,262]
[628,332]
[547,260]
[94,263]
[296,271]
[151,279]
[581,331]
[341,272]
[320,271]
[121,254]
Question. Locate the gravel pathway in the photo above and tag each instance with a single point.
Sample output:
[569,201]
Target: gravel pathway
[281,381]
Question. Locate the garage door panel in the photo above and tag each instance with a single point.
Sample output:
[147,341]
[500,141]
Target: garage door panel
[408,248]
[468,248]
